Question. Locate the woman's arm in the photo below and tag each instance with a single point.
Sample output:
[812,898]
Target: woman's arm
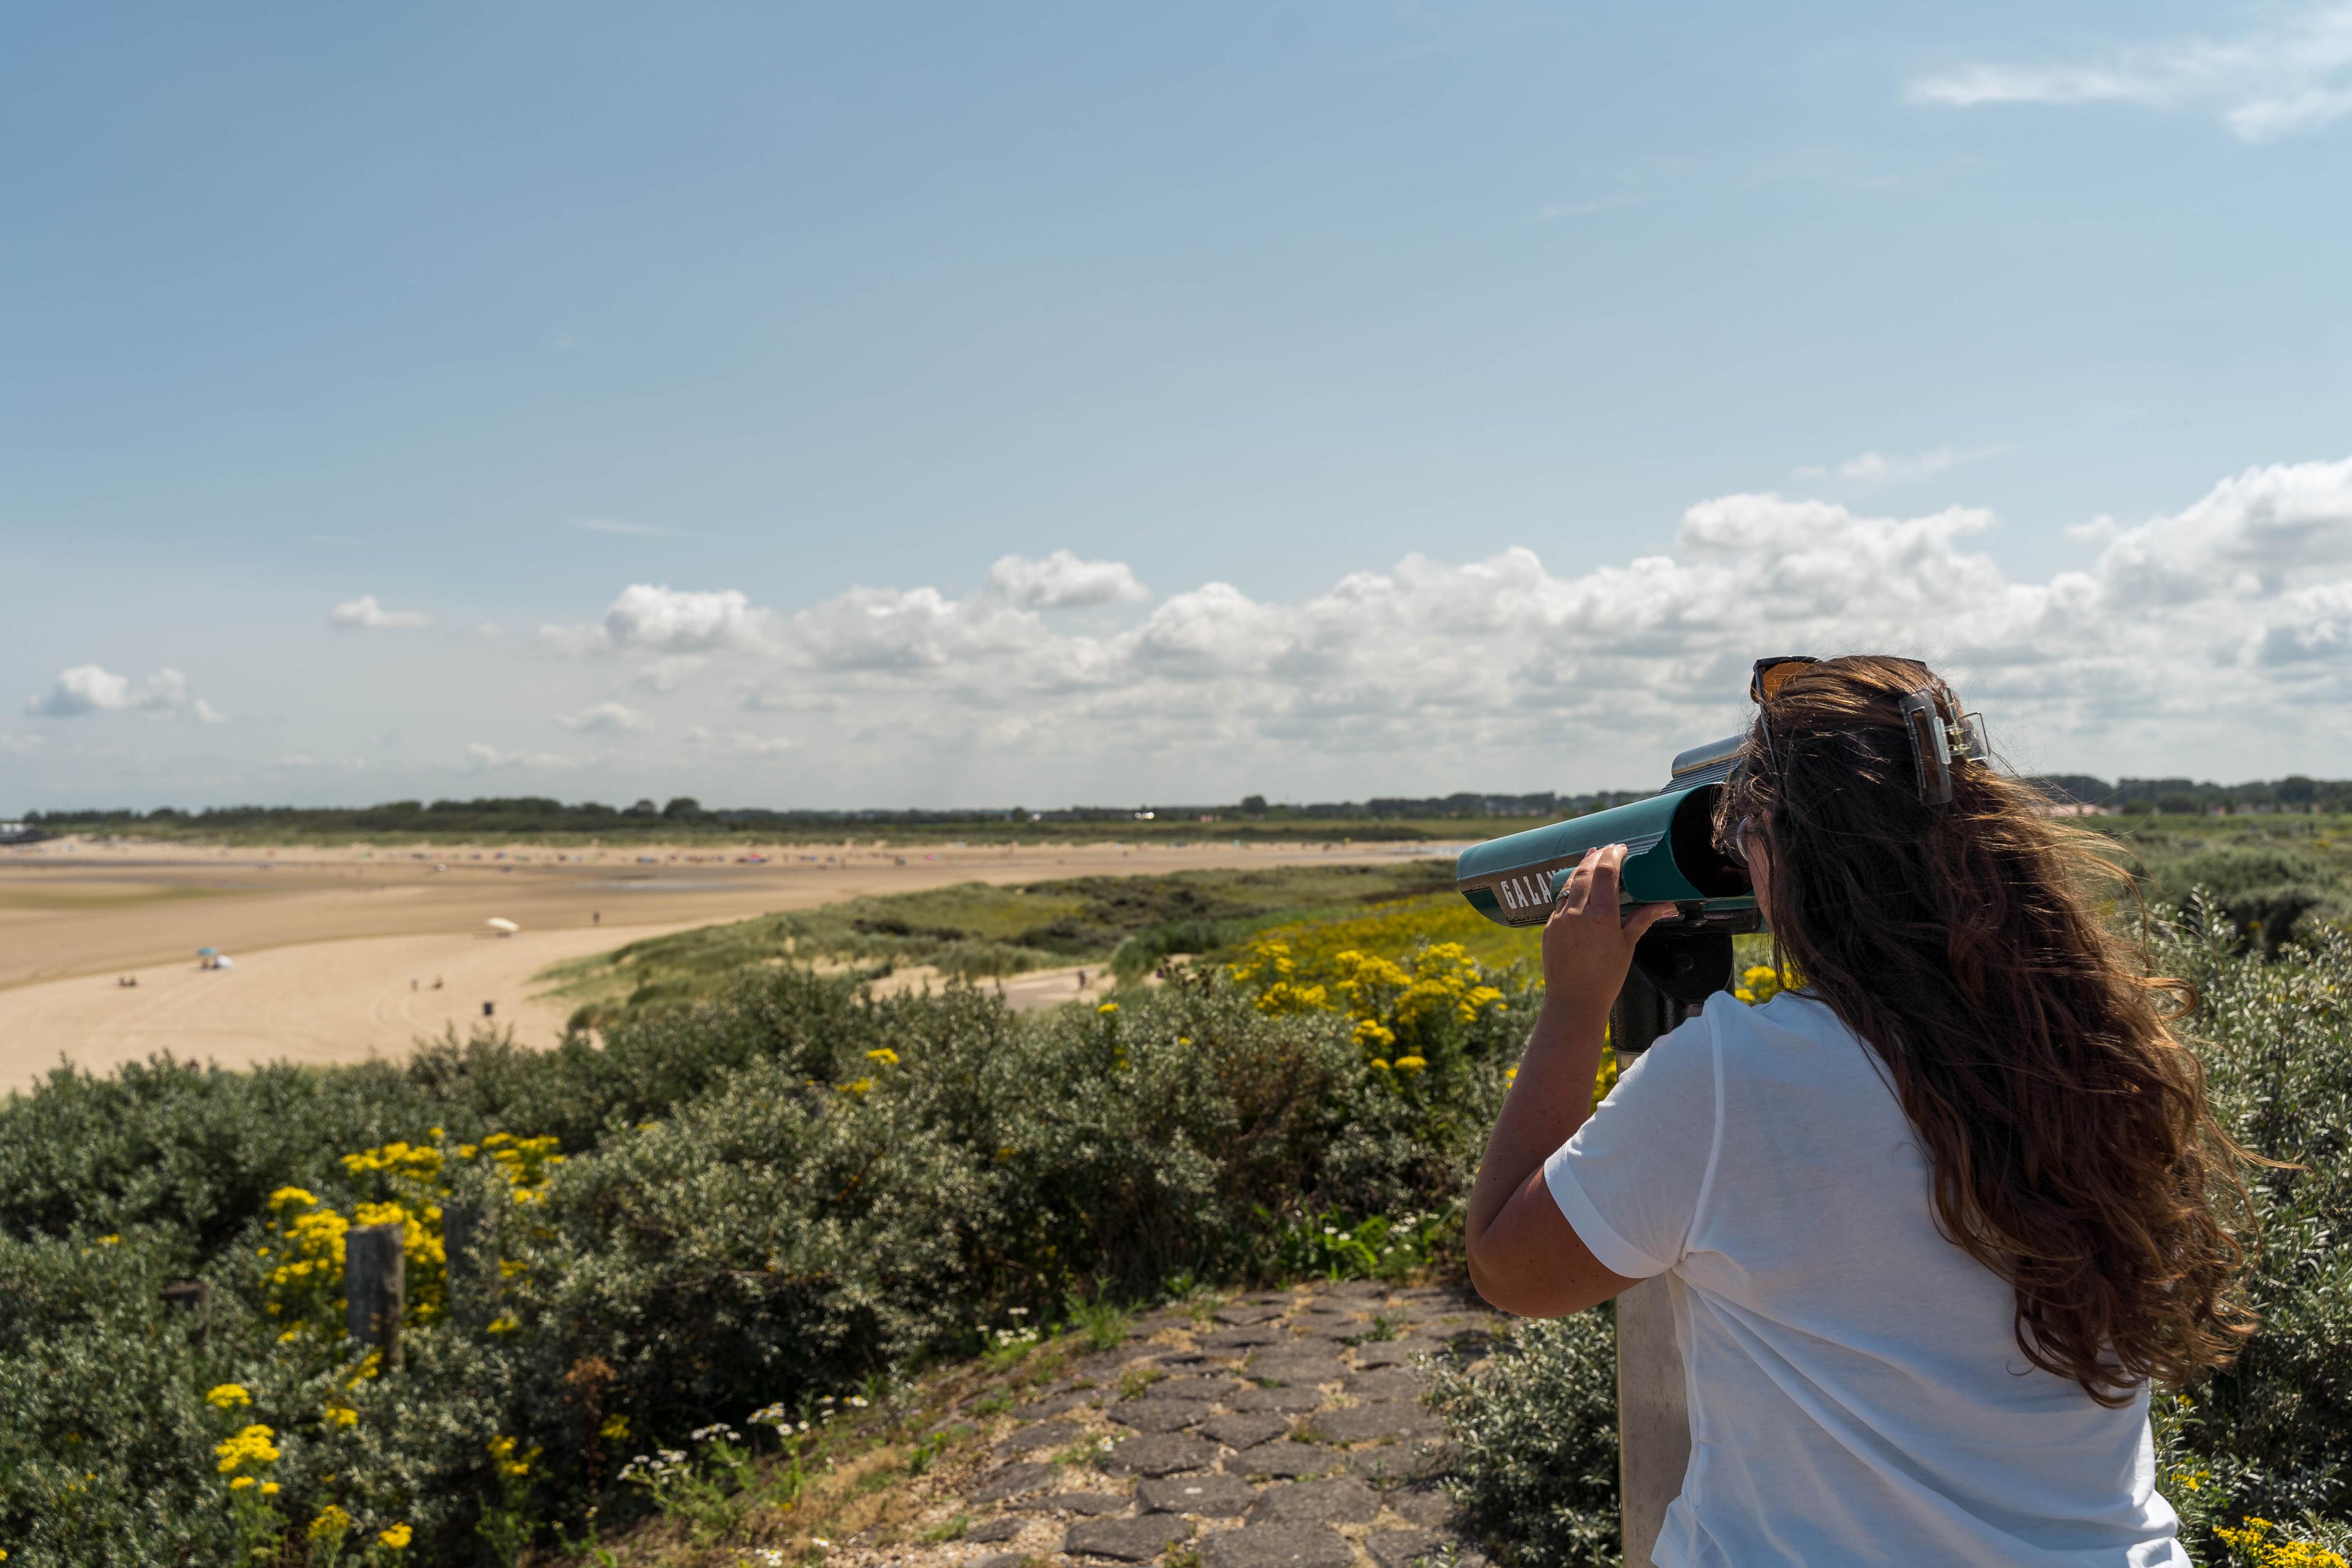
[1524,1257]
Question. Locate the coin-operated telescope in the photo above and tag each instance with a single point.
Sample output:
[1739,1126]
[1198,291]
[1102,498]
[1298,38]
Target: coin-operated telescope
[1670,858]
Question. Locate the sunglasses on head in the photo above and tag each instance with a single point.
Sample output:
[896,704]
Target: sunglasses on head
[1940,733]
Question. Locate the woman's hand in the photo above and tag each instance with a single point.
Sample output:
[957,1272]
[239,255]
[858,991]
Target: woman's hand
[1587,947]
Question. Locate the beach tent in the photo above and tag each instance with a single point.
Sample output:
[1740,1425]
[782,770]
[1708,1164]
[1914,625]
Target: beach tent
[208,953]
[502,925]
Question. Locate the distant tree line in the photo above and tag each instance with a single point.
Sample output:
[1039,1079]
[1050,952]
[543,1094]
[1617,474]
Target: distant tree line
[524,815]
[2192,797]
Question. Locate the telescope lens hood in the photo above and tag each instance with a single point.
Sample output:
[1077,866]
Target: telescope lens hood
[1671,857]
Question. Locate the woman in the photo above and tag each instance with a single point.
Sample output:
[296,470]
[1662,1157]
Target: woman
[1933,1221]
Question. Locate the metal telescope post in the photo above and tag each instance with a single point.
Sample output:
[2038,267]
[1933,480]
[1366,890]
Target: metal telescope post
[1672,975]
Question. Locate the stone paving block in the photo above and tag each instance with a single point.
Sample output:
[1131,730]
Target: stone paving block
[1371,1423]
[1009,1481]
[1396,1464]
[1405,1548]
[1161,1454]
[1386,1383]
[1239,1313]
[1296,1366]
[1055,1404]
[1289,1461]
[1245,1431]
[1424,1505]
[1044,1434]
[1004,1527]
[1196,1388]
[1294,1401]
[1277,1546]
[1103,1366]
[1360,1289]
[1137,1540]
[1158,1415]
[1395,1353]
[1343,1501]
[1242,1338]
[1178,1358]
[1211,1495]
[1092,1505]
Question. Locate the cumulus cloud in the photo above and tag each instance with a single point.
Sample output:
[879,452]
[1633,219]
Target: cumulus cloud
[650,619]
[484,758]
[668,672]
[87,689]
[1063,581]
[736,743]
[1883,468]
[2292,74]
[2218,624]
[363,613]
[604,717]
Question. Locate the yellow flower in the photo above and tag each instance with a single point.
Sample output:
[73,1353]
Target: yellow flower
[239,1484]
[857,1086]
[253,1442]
[1380,1064]
[342,1416]
[614,1427]
[228,1396]
[331,1522]
[109,1241]
[885,1055]
[396,1538]
[268,1488]
[1510,1075]
[1409,1063]
[1108,1008]
[504,1323]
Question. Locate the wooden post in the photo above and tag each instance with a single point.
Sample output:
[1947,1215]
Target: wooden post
[469,1243]
[375,1287]
[194,1297]
[1653,1439]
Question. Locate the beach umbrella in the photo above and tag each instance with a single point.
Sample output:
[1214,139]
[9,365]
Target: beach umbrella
[207,952]
[498,922]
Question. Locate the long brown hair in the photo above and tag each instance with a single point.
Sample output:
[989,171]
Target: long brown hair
[2069,1143]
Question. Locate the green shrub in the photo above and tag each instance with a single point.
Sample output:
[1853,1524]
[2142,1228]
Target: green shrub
[1536,1479]
[762,1199]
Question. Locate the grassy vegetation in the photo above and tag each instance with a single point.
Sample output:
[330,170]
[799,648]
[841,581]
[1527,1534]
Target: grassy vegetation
[1128,924]
[790,1191]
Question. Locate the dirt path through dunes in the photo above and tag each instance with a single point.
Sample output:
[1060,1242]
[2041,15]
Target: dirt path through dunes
[327,941]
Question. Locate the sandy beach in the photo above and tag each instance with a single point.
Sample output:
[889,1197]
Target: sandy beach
[336,951]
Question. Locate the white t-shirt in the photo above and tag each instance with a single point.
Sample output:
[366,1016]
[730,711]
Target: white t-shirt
[1856,1391]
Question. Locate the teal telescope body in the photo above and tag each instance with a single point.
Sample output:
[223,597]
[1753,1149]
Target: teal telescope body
[1670,857]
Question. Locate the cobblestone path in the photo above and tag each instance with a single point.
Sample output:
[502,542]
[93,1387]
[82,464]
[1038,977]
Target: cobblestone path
[1285,1430]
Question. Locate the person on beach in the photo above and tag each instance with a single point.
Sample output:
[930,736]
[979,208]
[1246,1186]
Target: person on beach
[1933,1220]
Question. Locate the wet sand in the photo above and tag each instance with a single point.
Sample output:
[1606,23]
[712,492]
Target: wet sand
[327,941]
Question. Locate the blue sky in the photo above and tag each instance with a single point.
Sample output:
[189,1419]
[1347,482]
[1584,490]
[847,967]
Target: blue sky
[809,319]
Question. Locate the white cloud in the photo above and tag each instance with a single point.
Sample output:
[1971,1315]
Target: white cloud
[88,688]
[207,714]
[645,618]
[668,672]
[1062,581]
[614,525]
[1881,468]
[2219,613]
[483,758]
[739,744]
[604,717]
[2292,75]
[363,613]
